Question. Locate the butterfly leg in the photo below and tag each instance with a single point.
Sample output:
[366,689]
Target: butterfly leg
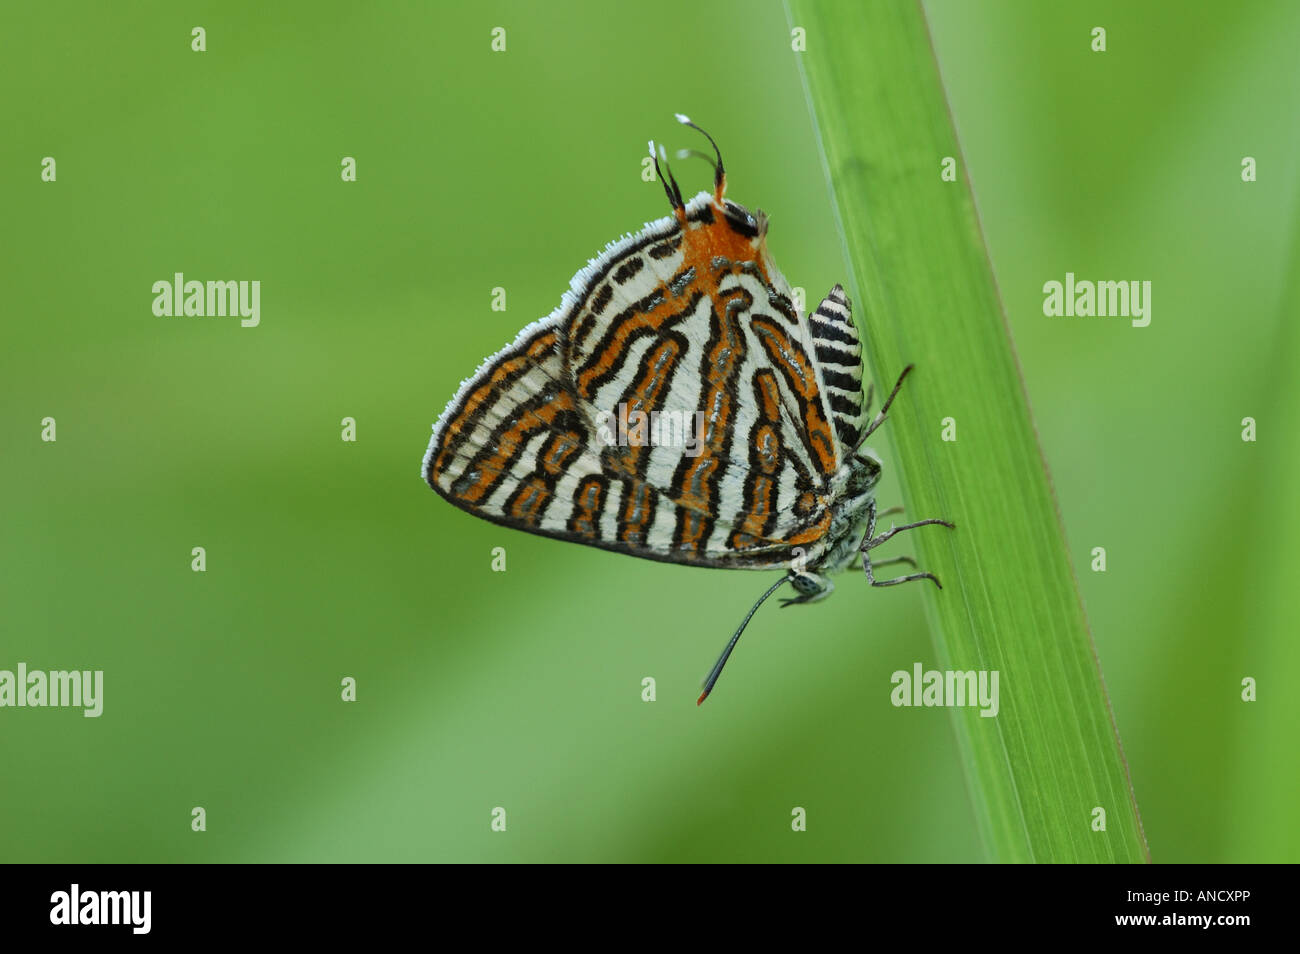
[870,541]
[810,588]
[884,409]
[910,561]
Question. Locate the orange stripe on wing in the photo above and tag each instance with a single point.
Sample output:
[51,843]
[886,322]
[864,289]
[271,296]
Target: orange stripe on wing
[798,371]
[529,501]
[508,446]
[638,511]
[503,374]
[645,395]
[588,500]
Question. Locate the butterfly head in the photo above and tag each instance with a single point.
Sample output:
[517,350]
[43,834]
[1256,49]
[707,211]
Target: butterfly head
[716,227]
[863,474]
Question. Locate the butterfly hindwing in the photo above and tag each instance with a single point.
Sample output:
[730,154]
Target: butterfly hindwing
[705,346]
[839,357]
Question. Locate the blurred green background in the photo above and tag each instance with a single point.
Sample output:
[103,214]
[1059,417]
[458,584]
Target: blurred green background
[522,689]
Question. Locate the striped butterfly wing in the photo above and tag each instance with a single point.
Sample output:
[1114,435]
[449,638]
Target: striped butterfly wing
[838,351]
[708,348]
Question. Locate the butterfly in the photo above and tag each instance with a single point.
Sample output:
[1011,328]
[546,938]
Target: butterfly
[760,464]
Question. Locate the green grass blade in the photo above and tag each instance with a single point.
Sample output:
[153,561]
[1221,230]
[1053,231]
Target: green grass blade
[924,292]
[1263,817]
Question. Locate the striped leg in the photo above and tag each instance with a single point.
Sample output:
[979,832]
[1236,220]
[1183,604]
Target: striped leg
[870,542]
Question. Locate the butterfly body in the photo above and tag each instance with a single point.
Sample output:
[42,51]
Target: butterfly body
[854,497]
[676,407]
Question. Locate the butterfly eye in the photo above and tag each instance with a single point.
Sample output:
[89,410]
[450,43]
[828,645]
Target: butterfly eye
[741,220]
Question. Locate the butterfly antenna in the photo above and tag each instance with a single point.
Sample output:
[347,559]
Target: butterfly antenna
[696,154]
[884,408]
[666,177]
[677,190]
[716,671]
[719,171]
